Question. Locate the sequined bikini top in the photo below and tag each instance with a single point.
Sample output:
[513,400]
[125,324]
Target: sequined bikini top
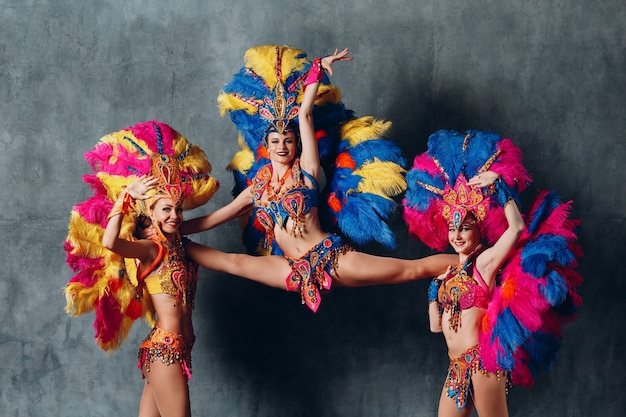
[462,291]
[293,202]
[176,275]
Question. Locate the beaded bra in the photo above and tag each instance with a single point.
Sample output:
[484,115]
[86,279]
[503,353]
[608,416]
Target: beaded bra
[292,203]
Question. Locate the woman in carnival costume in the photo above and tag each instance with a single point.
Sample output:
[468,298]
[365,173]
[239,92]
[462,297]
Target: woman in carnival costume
[122,277]
[286,195]
[502,307]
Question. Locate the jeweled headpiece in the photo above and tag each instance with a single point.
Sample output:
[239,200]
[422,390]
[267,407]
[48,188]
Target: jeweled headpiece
[457,202]
[170,185]
[279,109]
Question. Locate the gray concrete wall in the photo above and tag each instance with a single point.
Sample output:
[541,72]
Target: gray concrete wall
[549,74]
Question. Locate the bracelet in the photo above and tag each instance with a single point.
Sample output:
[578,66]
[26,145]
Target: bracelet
[315,72]
[122,204]
[433,289]
[502,192]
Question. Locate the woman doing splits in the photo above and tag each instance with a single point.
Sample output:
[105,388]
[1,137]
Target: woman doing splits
[284,198]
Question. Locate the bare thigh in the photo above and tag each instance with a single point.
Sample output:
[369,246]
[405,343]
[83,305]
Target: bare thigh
[489,395]
[355,269]
[169,388]
[269,270]
[147,406]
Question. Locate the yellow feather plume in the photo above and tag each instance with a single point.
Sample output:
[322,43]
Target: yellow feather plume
[116,139]
[364,128]
[85,238]
[327,94]
[382,178]
[203,191]
[79,299]
[242,161]
[262,59]
[228,102]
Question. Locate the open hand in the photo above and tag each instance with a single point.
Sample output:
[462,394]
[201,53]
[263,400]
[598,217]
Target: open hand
[327,61]
[139,188]
[484,179]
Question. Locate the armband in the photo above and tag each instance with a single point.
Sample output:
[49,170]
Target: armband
[433,289]
[502,192]
[315,72]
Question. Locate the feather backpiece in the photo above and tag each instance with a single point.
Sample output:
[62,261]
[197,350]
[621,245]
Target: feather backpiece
[521,330]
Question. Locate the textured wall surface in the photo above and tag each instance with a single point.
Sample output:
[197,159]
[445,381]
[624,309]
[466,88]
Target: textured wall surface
[549,74]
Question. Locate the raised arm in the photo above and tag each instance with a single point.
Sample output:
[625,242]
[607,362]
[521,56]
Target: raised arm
[140,249]
[236,208]
[309,158]
[492,259]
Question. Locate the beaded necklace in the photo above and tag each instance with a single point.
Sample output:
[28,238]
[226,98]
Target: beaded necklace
[273,193]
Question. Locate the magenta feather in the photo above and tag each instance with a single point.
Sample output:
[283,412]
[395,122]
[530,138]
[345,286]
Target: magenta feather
[509,166]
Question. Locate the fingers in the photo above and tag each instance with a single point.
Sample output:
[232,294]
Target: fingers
[149,180]
[484,179]
[479,180]
[336,56]
[342,56]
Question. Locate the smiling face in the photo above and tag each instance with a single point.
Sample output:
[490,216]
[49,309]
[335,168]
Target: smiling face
[282,147]
[466,237]
[168,216]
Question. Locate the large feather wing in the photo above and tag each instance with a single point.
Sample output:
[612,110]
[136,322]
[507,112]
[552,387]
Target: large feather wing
[522,328]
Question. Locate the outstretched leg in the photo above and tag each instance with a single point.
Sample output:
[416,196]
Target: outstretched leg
[269,270]
[357,269]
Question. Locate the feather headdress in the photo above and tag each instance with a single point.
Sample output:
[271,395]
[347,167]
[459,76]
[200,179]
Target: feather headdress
[451,158]
[364,171]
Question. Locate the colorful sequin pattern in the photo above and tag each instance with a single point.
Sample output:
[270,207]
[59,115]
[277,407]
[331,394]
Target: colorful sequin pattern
[312,272]
[460,291]
[460,372]
[291,203]
[178,276]
[455,295]
[168,347]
